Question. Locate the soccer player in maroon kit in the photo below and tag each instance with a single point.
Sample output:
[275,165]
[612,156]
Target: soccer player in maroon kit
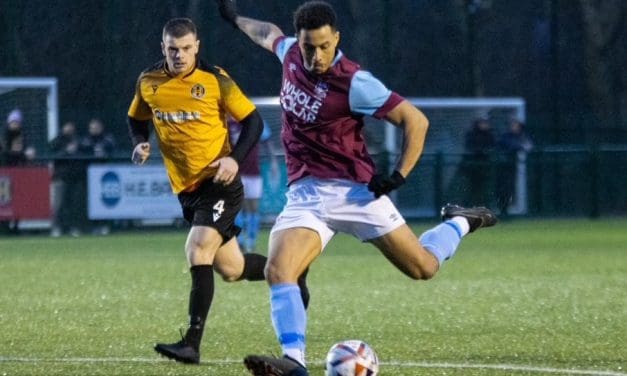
[333,186]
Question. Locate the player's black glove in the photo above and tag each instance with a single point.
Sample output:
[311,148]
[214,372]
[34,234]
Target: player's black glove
[228,11]
[381,184]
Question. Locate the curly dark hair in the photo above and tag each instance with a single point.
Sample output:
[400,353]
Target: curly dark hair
[179,27]
[314,15]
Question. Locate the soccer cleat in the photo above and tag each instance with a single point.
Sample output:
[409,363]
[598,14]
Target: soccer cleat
[260,365]
[180,351]
[477,217]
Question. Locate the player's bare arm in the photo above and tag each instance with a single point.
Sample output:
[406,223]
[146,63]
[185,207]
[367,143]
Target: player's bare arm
[260,32]
[414,125]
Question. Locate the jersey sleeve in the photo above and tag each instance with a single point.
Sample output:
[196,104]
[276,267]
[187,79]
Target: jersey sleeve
[281,45]
[139,109]
[235,102]
[369,96]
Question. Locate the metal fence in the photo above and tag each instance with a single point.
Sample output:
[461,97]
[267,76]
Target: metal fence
[572,181]
[564,181]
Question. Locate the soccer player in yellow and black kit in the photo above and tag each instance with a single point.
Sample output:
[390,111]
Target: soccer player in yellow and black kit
[187,102]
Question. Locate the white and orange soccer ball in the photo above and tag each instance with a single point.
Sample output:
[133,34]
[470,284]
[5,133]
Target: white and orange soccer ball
[351,358]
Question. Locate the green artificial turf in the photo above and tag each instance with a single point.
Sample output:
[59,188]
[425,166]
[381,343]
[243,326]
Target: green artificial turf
[523,298]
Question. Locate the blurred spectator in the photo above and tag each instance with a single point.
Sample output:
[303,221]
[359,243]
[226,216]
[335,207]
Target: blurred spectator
[99,146]
[15,151]
[97,143]
[511,143]
[68,182]
[249,218]
[476,167]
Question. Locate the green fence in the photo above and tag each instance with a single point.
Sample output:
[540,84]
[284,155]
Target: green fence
[558,181]
[568,181]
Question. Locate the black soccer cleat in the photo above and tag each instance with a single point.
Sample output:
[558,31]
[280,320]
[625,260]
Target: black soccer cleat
[260,365]
[180,351]
[477,217]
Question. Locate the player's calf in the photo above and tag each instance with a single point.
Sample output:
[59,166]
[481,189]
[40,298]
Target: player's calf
[442,241]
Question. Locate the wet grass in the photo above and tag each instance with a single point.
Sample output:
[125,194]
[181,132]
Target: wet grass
[544,294]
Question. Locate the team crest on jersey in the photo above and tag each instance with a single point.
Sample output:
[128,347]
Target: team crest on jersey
[321,89]
[5,190]
[198,91]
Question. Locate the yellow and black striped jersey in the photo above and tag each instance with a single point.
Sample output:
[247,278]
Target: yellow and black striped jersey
[189,116]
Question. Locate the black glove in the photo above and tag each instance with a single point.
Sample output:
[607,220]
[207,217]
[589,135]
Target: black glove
[381,184]
[228,11]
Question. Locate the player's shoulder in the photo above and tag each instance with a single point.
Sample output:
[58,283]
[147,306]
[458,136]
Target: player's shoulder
[347,66]
[222,78]
[157,68]
[212,69]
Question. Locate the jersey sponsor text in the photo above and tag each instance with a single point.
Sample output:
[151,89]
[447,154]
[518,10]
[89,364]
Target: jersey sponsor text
[177,117]
[299,103]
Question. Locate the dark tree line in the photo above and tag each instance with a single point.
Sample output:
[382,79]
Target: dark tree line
[565,57]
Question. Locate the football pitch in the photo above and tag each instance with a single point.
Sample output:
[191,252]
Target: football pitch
[545,297]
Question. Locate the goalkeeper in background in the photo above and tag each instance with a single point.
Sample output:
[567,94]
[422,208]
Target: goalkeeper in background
[187,101]
[333,185]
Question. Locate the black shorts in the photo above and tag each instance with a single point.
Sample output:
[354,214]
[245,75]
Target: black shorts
[214,205]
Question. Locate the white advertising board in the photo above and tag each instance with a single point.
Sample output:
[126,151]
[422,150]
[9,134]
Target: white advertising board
[126,191]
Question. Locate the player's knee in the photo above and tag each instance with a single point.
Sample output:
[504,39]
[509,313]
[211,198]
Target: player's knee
[229,273]
[230,278]
[194,250]
[271,273]
[275,274]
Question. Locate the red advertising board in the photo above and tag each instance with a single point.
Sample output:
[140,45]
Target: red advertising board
[24,193]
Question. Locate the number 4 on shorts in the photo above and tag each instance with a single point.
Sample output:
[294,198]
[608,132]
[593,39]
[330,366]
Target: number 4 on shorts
[218,209]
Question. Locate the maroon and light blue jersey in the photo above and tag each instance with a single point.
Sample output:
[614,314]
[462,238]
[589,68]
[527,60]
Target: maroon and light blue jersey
[250,164]
[322,116]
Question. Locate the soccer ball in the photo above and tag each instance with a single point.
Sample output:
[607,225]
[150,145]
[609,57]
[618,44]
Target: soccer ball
[351,358]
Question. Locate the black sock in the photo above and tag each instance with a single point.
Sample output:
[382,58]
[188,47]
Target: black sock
[254,264]
[253,267]
[200,298]
[304,290]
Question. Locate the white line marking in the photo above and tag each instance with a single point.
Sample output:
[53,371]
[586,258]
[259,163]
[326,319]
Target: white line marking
[504,367]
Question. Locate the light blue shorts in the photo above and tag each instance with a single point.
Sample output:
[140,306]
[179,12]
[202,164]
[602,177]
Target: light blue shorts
[328,206]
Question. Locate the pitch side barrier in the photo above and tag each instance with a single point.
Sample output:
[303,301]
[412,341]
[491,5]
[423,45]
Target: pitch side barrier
[562,180]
